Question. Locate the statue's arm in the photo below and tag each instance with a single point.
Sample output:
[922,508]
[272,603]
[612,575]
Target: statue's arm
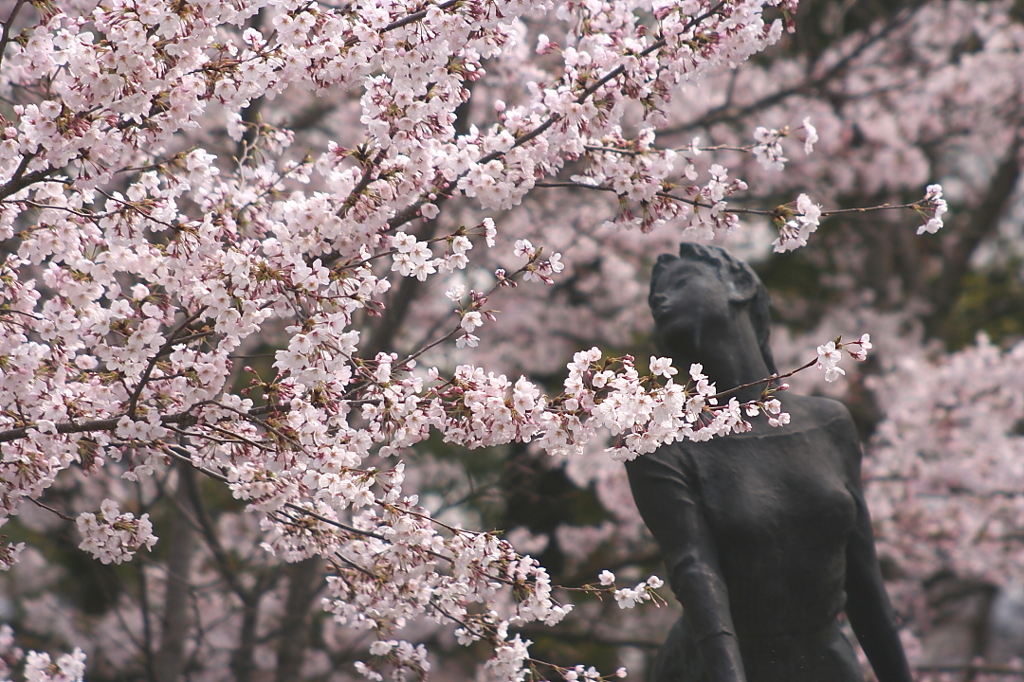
[664,495]
[867,602]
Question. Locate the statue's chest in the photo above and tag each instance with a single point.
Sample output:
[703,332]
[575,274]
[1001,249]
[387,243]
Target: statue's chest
[788,488]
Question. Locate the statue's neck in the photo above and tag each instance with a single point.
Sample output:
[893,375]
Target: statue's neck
[731,357]
[731,369]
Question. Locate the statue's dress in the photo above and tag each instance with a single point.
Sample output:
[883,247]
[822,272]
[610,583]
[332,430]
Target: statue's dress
[764,535]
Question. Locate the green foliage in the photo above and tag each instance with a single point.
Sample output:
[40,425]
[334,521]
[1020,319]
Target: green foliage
[990,301]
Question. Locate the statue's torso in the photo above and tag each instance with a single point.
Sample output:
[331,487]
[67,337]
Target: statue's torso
[778,505]
[779,509]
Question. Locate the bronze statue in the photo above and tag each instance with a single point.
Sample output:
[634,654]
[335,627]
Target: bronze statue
[766,536]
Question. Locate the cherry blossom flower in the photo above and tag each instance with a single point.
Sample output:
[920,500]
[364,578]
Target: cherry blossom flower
[663,367]
[809,134]
[113,537]
[794,232]
[768,150]
[828,360]
[935,205]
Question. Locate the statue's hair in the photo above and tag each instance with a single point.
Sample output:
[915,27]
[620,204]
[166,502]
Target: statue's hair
[744,287]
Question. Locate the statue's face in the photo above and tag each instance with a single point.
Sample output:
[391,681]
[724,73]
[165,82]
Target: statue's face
[691,308]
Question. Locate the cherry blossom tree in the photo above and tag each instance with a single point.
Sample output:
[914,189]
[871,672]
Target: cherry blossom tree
[275,274]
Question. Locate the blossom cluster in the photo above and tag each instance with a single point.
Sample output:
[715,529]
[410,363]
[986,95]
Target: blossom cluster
[933,207]
[111,536]
[797,225]
[476,409]
[9,551]
[768,150]
[628,597]
[830,354]
[38,666]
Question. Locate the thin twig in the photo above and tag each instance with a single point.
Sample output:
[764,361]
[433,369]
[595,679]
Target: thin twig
[740,211]
[767,380]
[51,509]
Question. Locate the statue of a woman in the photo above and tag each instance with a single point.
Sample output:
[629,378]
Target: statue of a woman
[765,535]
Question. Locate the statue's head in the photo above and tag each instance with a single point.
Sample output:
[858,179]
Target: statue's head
[698,296]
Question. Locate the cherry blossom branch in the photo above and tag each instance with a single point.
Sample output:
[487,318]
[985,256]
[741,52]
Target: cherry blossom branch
[363,183]
[8,311]
[205,526]
[828,358]
[573,674]
[180,454]
[172,340]
[87,426]
[132,206]
[50,509]
[598,84]
[67,209]
[415,16]
[502,282]
[19,181]
[352,265]
[765,381]
[738,211]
